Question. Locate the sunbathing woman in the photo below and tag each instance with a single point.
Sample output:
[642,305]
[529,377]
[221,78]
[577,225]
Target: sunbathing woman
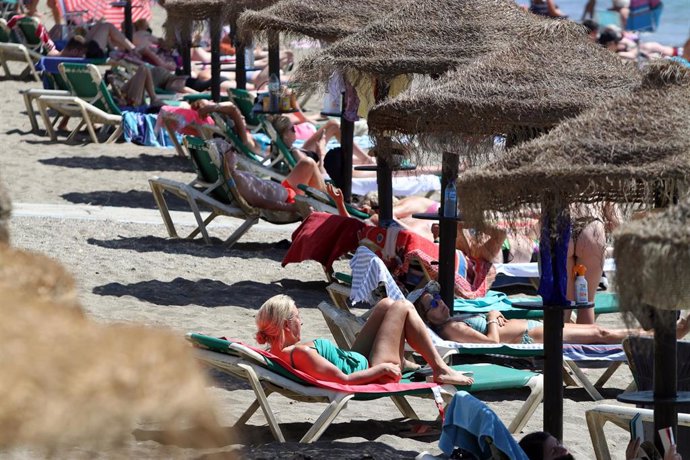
[268,194]
[493,327]
[376,355]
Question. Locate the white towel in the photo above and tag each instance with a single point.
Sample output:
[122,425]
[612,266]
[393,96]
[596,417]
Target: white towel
[367,272]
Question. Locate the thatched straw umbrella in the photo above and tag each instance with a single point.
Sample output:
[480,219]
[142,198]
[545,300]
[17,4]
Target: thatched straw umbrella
[652,270]
[631,149]
[425,38]
[68,381]
[532,85]
[182,14]
[328,21]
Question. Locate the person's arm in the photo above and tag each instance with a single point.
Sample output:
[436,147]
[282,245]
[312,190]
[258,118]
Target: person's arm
[308,360]
[554,12]
[457,331]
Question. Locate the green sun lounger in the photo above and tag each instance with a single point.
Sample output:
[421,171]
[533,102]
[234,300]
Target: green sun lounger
[267,376]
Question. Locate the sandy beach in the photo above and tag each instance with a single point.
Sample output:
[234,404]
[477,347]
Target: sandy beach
[90,207]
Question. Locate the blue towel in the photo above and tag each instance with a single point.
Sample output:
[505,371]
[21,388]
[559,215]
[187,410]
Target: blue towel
[468,424]
[138,128]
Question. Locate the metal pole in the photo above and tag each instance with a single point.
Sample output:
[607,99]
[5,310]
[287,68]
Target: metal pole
[665,374]
[448,232]
[128,19]
[347,134]
[273,54]
[215,30]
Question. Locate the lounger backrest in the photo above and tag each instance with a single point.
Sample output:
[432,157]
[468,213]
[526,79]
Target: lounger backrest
[277,144]
[26,30]
[640,353]
[235,140]
[244,101]
[85,82]
[5,32]
[222,188]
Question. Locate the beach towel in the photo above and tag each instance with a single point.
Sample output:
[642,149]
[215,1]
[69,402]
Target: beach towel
[468,424]
[324,238]
[183,118]
[368,270]
[392,243]
[139,128]
[480,273]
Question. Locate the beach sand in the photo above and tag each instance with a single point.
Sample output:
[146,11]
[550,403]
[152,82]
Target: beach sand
[128,270]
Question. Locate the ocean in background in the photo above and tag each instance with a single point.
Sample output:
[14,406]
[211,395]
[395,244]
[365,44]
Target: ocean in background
[674,26]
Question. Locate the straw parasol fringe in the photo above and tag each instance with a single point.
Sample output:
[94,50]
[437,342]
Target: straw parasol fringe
[5,213]
[67,381]
[653,260]
[183,13]
[421,38]
[327,20]
[631,149]
[37,274]
[523,90]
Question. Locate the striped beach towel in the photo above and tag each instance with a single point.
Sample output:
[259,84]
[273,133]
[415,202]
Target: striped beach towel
[96,10]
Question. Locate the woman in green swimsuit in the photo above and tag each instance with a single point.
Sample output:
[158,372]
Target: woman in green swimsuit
[376,355]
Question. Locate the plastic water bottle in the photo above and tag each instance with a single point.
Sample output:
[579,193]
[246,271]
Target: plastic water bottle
[249,55]
[450,200]
[581,290]
[274,93]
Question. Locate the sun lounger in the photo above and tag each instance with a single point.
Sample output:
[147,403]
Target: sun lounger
[17,52]
[212,190]
[267,374]
[620,416]
[90,101]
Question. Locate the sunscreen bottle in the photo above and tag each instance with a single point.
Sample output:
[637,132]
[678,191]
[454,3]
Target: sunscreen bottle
[581,291]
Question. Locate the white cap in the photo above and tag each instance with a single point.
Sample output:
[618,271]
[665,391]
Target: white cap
[432,287]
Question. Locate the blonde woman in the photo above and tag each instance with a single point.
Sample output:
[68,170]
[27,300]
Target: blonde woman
[376,355]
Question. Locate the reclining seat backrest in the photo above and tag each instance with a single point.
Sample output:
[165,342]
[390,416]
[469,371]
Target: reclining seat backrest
[84,81]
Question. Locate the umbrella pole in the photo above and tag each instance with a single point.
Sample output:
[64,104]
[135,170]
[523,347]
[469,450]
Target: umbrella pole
[553,326]
[665,374]
[128,19]
[384,172]
[215,30]
[240,62]
[273,54]
[186,50]
[347,134]
[448,232]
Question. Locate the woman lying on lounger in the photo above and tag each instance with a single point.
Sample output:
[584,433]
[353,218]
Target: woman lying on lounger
[376,355]
[493,327]
[268,194]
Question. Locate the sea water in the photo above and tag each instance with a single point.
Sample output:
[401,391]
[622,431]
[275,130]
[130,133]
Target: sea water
[674,26]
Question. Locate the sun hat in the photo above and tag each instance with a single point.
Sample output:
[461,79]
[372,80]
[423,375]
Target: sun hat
[432,287]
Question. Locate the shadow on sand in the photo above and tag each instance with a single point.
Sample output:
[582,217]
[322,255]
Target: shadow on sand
[197,247]
[129,199]
[143,162]
[213,293]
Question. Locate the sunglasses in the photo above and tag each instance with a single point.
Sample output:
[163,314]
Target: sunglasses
[435,301]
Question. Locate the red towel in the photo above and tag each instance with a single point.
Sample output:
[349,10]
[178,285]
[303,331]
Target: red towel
[324,238]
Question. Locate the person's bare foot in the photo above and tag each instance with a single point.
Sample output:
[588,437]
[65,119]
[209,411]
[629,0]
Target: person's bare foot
[449,376]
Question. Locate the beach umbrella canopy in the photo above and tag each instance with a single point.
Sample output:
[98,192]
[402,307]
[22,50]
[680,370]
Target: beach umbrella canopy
[423,38]
[535,83]
[327,20]
[653,260]
[625,150]
[182,13]
[107,10]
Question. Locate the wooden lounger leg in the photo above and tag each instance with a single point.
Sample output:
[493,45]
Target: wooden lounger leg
[535,398]
[583,380]
[157,191]
[595,424]
[613,367]
[263,402]
[115,136]
[326,418]
[404,407]
[89,125]
[241,230]
[28,103]
[46,121]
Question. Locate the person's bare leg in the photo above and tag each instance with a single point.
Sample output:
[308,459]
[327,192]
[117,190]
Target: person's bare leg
[55,10]
[589,251]
[156,60]
[306,171]
[135,86]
